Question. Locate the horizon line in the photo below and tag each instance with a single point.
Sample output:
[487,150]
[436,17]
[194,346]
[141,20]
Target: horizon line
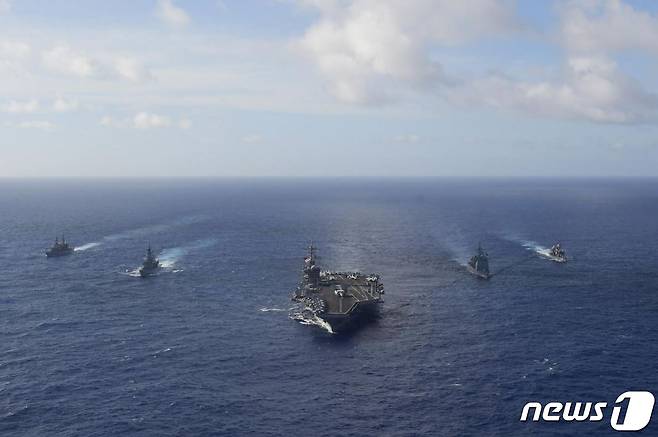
[361,177]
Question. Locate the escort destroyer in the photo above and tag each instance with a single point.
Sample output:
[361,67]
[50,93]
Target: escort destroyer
[60,248]
[479,264]
[151,264]
[556,253]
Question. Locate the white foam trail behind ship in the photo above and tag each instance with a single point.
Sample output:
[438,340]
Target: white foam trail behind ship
[133,273]
[134,233]
[87,246]
[461,253]
[154,228]
[535,247]
[168,257]
[528,244]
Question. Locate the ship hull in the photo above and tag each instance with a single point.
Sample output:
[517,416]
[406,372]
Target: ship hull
[58,254]
[144,273]
[557,259]
[363,313]
[481,275]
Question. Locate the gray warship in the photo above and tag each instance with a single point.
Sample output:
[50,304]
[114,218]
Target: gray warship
[557,253]
[60,248]
[479,264]
[151,264]
[343,300]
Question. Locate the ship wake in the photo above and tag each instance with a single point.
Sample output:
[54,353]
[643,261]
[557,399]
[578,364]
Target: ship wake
[169,257]
[535,247]
[307,316]
[132,273]
[452,240]
[454,243]
[152,229]
[144,230]
[87,246]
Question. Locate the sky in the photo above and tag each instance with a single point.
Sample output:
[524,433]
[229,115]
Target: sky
[328,88]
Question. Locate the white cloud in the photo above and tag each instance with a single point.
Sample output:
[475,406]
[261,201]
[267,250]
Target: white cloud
[407,139]
[65,60]
[108,121]
[62,59]
[171,14]
[607,26]
[63,105]
[221,5]
[367,51]
[14,49]
[145,120]
[13,54]
[589,88]
[60,104]
[251,138]
[131,69]
[372,51]
[36,124]
[327,7]
[18,107]
[372,46]
[5,6]
[591,85]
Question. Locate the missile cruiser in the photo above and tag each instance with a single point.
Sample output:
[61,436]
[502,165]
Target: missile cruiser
[151,264]
[60,248]
[556,253]
[343,300]
[479,264]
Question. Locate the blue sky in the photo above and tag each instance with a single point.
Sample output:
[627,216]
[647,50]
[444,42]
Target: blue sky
[328,88]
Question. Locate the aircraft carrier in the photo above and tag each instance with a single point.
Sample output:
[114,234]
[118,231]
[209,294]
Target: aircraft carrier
[342,300]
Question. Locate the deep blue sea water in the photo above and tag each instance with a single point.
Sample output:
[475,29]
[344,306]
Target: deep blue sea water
[207,347]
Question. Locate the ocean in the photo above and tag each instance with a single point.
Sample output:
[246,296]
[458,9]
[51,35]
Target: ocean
[207,346]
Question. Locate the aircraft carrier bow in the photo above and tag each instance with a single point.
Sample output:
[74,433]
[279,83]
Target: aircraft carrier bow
[343,300]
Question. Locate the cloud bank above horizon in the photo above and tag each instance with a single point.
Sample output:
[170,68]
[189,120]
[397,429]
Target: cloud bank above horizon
[330,75]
